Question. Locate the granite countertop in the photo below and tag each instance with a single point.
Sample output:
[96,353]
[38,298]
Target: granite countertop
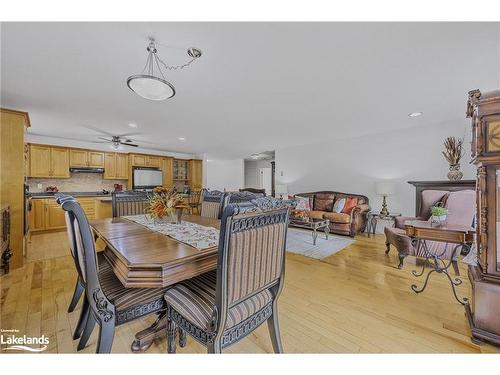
[47,194]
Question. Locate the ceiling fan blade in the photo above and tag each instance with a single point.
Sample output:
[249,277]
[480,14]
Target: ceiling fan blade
[128,144]
[128,134]
[100,142]
[105,139]
[97,130]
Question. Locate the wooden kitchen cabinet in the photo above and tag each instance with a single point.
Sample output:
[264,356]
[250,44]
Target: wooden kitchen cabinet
[84,158]
[59,161]
[54,216]
[39,161]
[167,167]
[37,215]
[138,160]
[115,166]
[95,159]
[47,161]
[195,171]
[88,206]
[78,158]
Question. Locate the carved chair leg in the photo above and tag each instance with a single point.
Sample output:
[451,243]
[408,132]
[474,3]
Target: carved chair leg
[106,336]
[388,247]
[89,327]
[76,295]
[182,338]
[82,320]
[171,333]
[401,259]
[274,331]
[215,347]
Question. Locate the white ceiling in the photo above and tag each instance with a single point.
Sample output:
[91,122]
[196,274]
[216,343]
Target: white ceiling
[257,87]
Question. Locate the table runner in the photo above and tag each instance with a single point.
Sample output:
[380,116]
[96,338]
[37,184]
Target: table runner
[198,236]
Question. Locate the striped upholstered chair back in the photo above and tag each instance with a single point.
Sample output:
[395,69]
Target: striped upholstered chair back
[129,203]
[251,250]
[212,202]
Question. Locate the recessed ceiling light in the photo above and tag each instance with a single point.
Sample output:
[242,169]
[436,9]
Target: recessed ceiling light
[182,139]
[415,114]
[132,125]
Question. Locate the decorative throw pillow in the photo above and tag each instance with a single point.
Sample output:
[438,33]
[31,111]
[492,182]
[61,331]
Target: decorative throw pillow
[350,203]
[302,203]
[323,202]
[339,205]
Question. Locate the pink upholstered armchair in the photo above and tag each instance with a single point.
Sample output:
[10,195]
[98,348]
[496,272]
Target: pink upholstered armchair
[461,207]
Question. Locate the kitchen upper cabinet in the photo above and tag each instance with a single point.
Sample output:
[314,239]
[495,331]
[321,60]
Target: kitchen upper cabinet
[122,166]
[153,161]
[39,161]
[59,161]
[84,158]
[95,159]
[195,171]
[78,158]
[47,161]
[115,166]
[167,166]
[138,160]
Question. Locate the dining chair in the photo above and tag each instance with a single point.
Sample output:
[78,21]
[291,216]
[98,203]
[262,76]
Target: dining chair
[211,204]
[129,203]
[194,201]
[221,307]
[109,303]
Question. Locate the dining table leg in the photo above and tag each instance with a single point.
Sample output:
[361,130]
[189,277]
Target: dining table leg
[144,339]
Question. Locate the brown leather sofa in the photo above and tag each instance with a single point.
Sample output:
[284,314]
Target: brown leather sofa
[341,223]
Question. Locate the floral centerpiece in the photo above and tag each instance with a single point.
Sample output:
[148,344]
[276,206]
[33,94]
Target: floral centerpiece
[164,203]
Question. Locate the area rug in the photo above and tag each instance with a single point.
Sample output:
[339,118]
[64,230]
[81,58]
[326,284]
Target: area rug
[299,241]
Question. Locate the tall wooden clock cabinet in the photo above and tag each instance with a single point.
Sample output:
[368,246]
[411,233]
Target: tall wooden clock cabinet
[484,310]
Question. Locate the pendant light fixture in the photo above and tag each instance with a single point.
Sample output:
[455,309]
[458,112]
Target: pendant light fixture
[151,83]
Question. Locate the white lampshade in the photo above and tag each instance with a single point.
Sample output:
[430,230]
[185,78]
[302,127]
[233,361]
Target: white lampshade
[150,87]
[384,187]
[281,189]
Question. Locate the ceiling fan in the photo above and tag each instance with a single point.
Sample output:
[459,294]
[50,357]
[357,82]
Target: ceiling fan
[116,141]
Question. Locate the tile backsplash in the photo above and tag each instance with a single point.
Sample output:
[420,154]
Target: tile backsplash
[77,182]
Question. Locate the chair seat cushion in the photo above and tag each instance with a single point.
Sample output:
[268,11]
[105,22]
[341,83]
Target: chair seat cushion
[194,299]
[130,303]
[316,214]
[335,217]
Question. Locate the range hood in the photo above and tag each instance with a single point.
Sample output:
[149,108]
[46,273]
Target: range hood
[86,170]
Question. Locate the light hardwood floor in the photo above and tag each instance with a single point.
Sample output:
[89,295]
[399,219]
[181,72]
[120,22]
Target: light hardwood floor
[355,301]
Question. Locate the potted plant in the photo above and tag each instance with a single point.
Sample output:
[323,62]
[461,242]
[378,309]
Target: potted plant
[439,215]
[453,153]
[165,205]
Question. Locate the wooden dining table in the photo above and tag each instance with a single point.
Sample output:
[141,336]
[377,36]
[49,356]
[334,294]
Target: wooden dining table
[143,258]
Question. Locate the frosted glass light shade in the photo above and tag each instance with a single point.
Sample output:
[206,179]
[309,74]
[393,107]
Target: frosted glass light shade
[384,188]
[150,87]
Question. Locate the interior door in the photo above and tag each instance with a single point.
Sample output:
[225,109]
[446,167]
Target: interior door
[266,180]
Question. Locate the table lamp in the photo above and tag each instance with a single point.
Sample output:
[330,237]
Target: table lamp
[281,190]
[384,188]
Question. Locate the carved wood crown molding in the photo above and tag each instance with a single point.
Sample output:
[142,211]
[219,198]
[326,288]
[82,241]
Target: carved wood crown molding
[474,96]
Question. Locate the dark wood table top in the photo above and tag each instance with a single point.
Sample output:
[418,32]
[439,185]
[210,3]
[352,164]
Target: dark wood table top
[444,233]
[144,258]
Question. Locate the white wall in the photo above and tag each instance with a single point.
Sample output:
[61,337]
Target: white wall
[252,172]
[223,174]
[354,165]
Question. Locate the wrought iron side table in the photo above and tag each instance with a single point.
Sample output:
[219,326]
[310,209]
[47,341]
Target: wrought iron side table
[461,237]
[371,221]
